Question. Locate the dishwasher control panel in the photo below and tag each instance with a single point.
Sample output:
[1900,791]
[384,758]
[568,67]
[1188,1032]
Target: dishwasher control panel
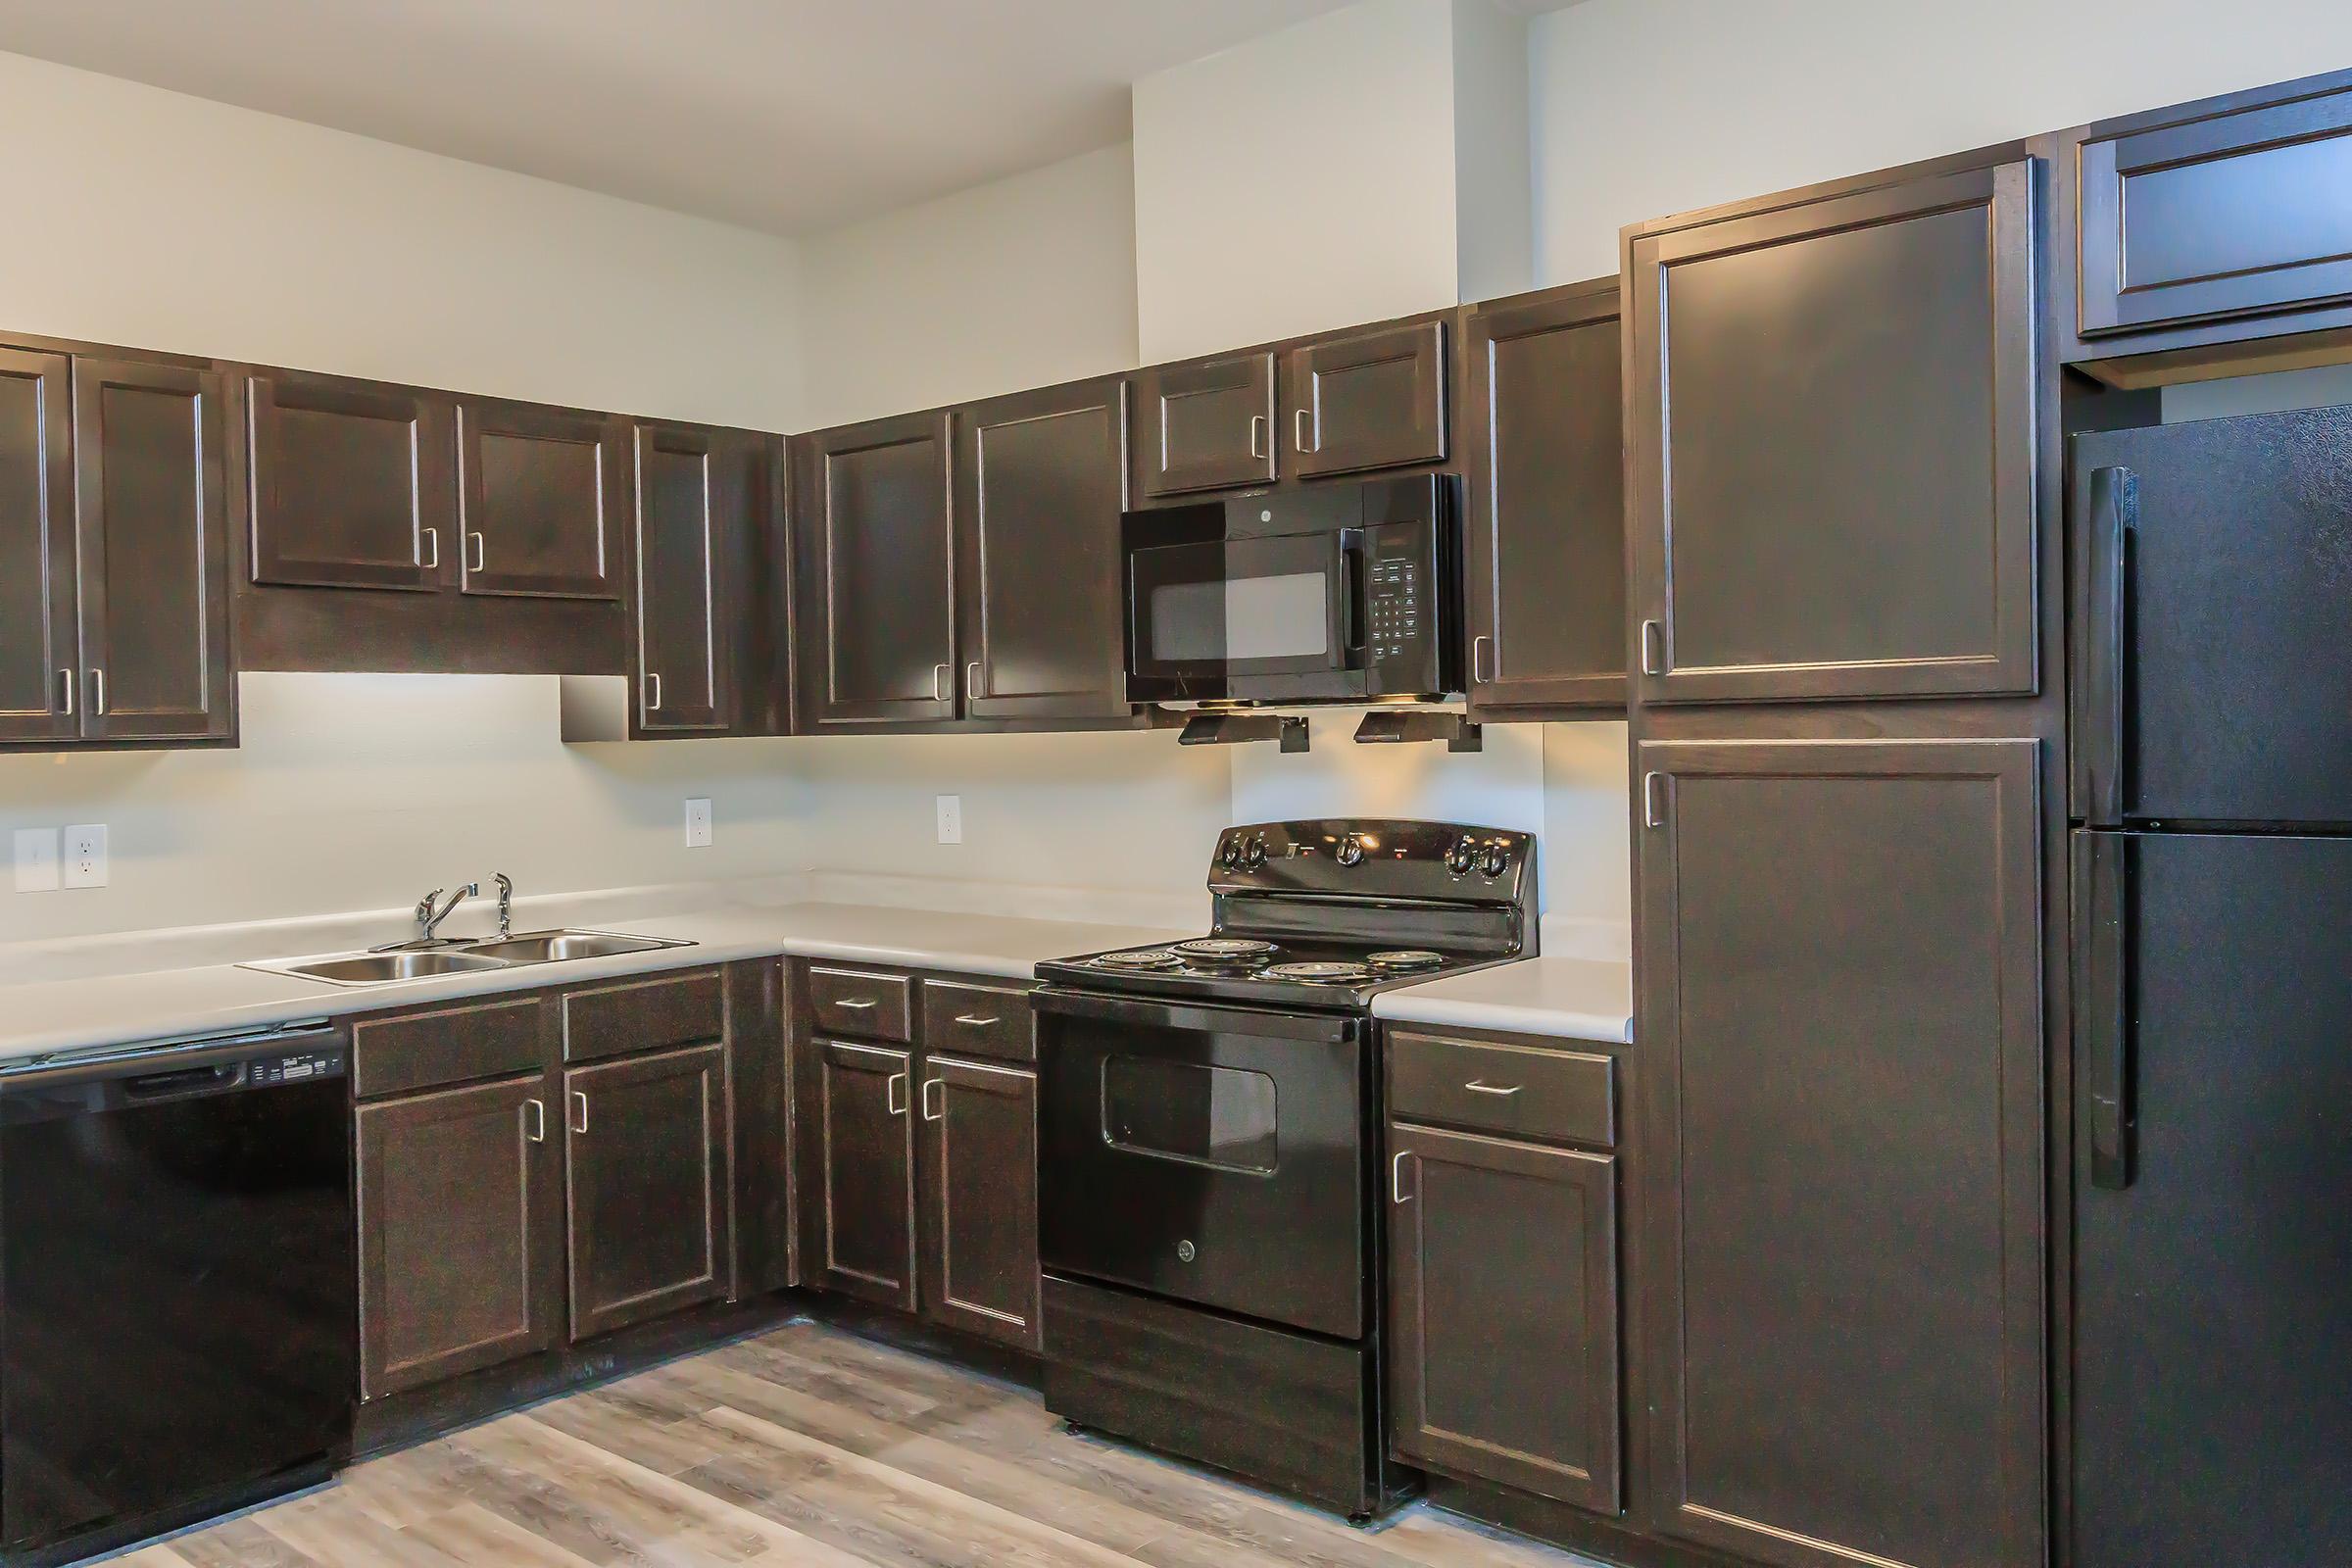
[295,1068]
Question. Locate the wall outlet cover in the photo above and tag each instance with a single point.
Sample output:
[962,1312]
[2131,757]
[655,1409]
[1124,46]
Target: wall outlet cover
[951,819]
[85,855]
[36,860]
[698,824]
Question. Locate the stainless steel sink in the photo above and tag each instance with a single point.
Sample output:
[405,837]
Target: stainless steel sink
[554,947]
[420,963]
[381,969]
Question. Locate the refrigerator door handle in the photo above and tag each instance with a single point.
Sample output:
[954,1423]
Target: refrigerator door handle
[2101,691]
[2102,891]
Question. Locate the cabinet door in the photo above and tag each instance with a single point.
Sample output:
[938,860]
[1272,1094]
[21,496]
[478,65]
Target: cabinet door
[1546,532]
[1207,426]
[979,1200]
[353,483]
[459,1233]
[647,1148]
[1502,1313]
[1040,480]
[153,531]
[865,1161]
[39,651]
[1375,400]
[1831,454]
[539,497]
[690,501]
[1840,963]
[879,574]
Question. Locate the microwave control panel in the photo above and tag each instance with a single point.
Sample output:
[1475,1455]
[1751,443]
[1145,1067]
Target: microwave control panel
[1405,651]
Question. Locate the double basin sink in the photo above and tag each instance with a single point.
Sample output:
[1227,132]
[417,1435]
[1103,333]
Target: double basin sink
[464,957]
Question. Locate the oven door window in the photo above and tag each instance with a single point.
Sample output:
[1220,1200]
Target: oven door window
[1225,1118]
[1213,609]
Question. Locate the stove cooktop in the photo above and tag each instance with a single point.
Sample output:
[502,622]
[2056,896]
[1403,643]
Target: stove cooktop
[1321,972]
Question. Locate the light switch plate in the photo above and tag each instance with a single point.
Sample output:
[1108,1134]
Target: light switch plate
[85,855]
[698,824]
[36,860]
[951,819]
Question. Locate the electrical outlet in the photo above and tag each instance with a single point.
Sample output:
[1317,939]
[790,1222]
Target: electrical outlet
[951,819]
[85,855]
[36,860]
[698,824]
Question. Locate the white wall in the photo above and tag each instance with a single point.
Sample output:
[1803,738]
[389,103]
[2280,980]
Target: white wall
[1020,283]
[158,221]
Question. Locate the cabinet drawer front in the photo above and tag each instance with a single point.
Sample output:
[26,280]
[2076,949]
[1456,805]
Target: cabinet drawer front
[2224,214]
[857,1002]
[644,1016]
[978,1020]
[449,1045]
[1521,1091]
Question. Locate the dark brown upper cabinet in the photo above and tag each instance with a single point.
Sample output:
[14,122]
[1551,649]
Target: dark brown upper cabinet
[41,658]
[1041,480]
[2206,224]
[1544,532]
[1366,400]
[1839,992]
[353,485]
[1206,425]
[1832,443]
[539,494]
[650,1202]
[152,530]
[707,582]
[876,574]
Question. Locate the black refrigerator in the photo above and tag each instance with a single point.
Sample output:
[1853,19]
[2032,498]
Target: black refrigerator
[2211,790]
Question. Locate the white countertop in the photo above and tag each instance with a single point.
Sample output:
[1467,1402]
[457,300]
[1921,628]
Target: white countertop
[1573,999]
[71,1014]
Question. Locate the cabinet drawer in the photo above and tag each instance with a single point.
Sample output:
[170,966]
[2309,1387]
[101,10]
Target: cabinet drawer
[448,1045]
[857,1002]
[644,1016]
[968,1020]
[1520,1091]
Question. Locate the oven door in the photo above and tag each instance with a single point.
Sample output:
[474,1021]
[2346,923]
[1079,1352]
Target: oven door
[1212,1155]
[1270,620]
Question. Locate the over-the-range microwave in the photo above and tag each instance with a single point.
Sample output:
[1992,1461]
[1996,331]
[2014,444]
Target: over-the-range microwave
[1342,592]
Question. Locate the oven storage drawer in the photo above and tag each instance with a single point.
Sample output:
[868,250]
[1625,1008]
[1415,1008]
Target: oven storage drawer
[1552,1095]
[857,1002]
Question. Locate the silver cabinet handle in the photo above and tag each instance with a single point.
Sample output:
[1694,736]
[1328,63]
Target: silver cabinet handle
[894,1094]
[432,561]
[939,682]
[1654,800]
[579,1113]
[1653,648]
[857,1004]
[98,691]
[1477,657]
[1478,1088]
[653,691]
[480,548]
[1299,431]
[1396,1192]
[971,682]
[65,679]
[534,1118]
[930,1084]
[975,1021]
[1258,435]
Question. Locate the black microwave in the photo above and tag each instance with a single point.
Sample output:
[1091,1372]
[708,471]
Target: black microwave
[1338,594]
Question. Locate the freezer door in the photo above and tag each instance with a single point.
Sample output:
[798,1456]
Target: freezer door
[2213,1266]
[2213,580]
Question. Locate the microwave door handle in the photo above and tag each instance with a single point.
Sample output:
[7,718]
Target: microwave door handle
[1355,588]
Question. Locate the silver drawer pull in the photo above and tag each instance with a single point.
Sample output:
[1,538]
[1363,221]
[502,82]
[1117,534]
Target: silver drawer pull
[1478,1088]
[974,1021]
[857,1004]
[940,1084]
[535,1121]
[1396,1192]
[894,1094]
[579,1113]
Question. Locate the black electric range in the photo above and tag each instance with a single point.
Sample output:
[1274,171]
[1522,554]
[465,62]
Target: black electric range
[1208,1130]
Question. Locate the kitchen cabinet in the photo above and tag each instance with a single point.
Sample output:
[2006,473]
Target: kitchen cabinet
[39,642]
[646,1144]
[461,1228]
[979,1265]
[1840,988]
[1367,400]
[1206,425]
[707,589]
[1544,535]
[1040,480]
[863,1162]
[877,575]
[353,482]
[1502,1313]
[1831,442]
[539,501]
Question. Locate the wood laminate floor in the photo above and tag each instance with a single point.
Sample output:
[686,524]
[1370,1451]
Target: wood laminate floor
[806,1445]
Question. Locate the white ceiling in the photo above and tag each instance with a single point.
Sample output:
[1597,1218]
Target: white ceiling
[782,115]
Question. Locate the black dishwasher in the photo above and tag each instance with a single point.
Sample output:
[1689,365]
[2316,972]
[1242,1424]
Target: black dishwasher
[178,1299]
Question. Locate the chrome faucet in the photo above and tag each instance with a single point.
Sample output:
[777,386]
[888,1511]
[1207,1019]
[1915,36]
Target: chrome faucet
[428,918]
[506,905]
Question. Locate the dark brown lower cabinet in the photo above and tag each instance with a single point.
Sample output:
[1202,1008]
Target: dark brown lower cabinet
[461,1236]
[1502,1313]
[979,1200]
[649,1203]
[865,1162]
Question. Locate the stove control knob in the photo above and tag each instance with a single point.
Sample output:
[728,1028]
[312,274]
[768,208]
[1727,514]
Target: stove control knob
[1256,854]
[1230,856]
[1462,856]
[1351,851]
[1496,861]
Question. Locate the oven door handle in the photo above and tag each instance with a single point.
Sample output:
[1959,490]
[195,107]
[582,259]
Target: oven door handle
[1330,1028]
